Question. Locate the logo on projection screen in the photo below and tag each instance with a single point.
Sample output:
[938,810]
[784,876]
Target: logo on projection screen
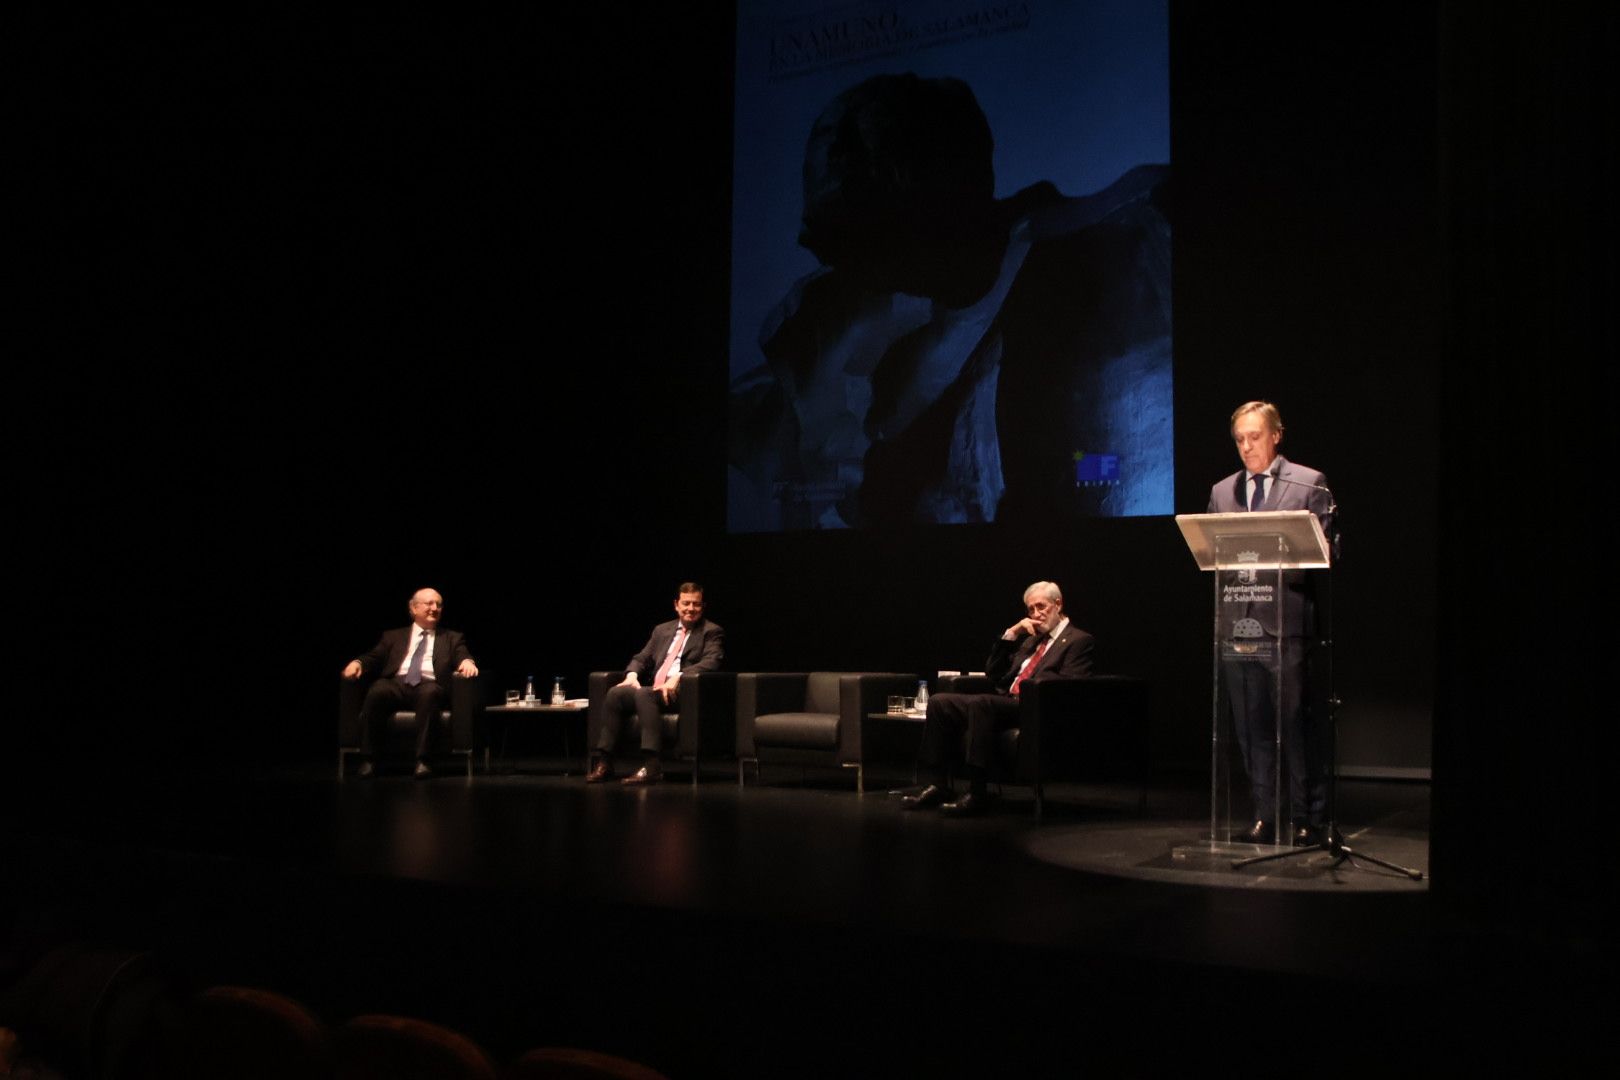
[1096,470]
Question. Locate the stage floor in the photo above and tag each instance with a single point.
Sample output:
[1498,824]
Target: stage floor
[527,908]
[1095,875]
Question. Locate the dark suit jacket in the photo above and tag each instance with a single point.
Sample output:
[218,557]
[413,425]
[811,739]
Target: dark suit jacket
[705,650]
[1296,492]
[385,657]
[1068,657]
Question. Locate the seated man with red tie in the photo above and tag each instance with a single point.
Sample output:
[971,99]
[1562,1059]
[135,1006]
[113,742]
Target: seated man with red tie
[413,665]
[962,727]
[686,645]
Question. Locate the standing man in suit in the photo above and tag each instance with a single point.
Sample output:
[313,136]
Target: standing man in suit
[413,665]
[687,645]
[1269,481]
[1040,645]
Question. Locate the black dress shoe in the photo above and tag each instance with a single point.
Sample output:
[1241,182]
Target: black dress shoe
[647,774]
[600,773]
[1307,835]
[366,770]
[969,805]
[1259,833]
[422,770]
[932,795]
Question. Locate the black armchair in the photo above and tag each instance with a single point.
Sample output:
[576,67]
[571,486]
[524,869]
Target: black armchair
[702,726]
[462,719]
[1094,728]
[814,718]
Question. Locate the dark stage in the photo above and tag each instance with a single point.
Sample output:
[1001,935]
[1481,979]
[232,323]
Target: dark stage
[792,928]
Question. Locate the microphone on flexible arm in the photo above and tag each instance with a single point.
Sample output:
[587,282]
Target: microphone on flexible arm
[1332,513]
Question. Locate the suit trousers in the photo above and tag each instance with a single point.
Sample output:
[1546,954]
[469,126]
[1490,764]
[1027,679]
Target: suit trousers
[963,727]
[389,695]
[1253,695]
[643,703]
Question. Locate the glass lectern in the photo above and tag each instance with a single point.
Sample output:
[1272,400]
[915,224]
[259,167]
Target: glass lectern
[1251,556]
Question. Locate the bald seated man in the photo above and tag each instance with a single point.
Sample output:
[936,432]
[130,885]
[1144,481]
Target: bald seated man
[413,665]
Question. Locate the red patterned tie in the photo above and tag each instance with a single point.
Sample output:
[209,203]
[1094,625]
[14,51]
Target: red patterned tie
[1029,668]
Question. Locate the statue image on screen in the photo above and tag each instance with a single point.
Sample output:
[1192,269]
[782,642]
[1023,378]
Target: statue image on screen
[956,357]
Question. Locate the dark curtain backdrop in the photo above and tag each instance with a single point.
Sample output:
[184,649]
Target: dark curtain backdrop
[374,304]
[1524,750]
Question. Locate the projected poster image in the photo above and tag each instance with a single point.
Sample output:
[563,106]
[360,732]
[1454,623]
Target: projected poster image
[950,264]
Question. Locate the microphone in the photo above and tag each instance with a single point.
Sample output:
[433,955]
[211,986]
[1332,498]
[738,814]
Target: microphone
[1331,514]
[1274,478]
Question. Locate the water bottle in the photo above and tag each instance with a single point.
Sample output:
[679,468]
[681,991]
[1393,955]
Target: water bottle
[922,695]
[557,697]
[528,692]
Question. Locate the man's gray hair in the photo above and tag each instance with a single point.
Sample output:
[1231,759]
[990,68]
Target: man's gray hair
[1047,589]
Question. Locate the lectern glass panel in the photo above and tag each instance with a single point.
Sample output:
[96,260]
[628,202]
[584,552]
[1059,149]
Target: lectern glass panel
[1246,759]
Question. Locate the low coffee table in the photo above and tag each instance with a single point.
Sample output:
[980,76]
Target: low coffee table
[904,728]
[558,715]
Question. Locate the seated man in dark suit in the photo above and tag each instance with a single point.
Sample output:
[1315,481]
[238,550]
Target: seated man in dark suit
[413,665]
[686,645]
[1041,644]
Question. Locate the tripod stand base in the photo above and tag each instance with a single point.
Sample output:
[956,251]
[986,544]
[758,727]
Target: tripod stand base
[1332,843]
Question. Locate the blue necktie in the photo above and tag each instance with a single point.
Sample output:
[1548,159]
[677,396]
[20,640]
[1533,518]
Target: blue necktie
[1259,498]
[413,674]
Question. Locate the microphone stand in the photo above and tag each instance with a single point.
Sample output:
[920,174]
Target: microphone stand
[1330,840]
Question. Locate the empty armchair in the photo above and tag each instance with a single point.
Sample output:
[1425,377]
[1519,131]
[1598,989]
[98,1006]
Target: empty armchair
[400,1048]
[814,718]
[251,1034]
